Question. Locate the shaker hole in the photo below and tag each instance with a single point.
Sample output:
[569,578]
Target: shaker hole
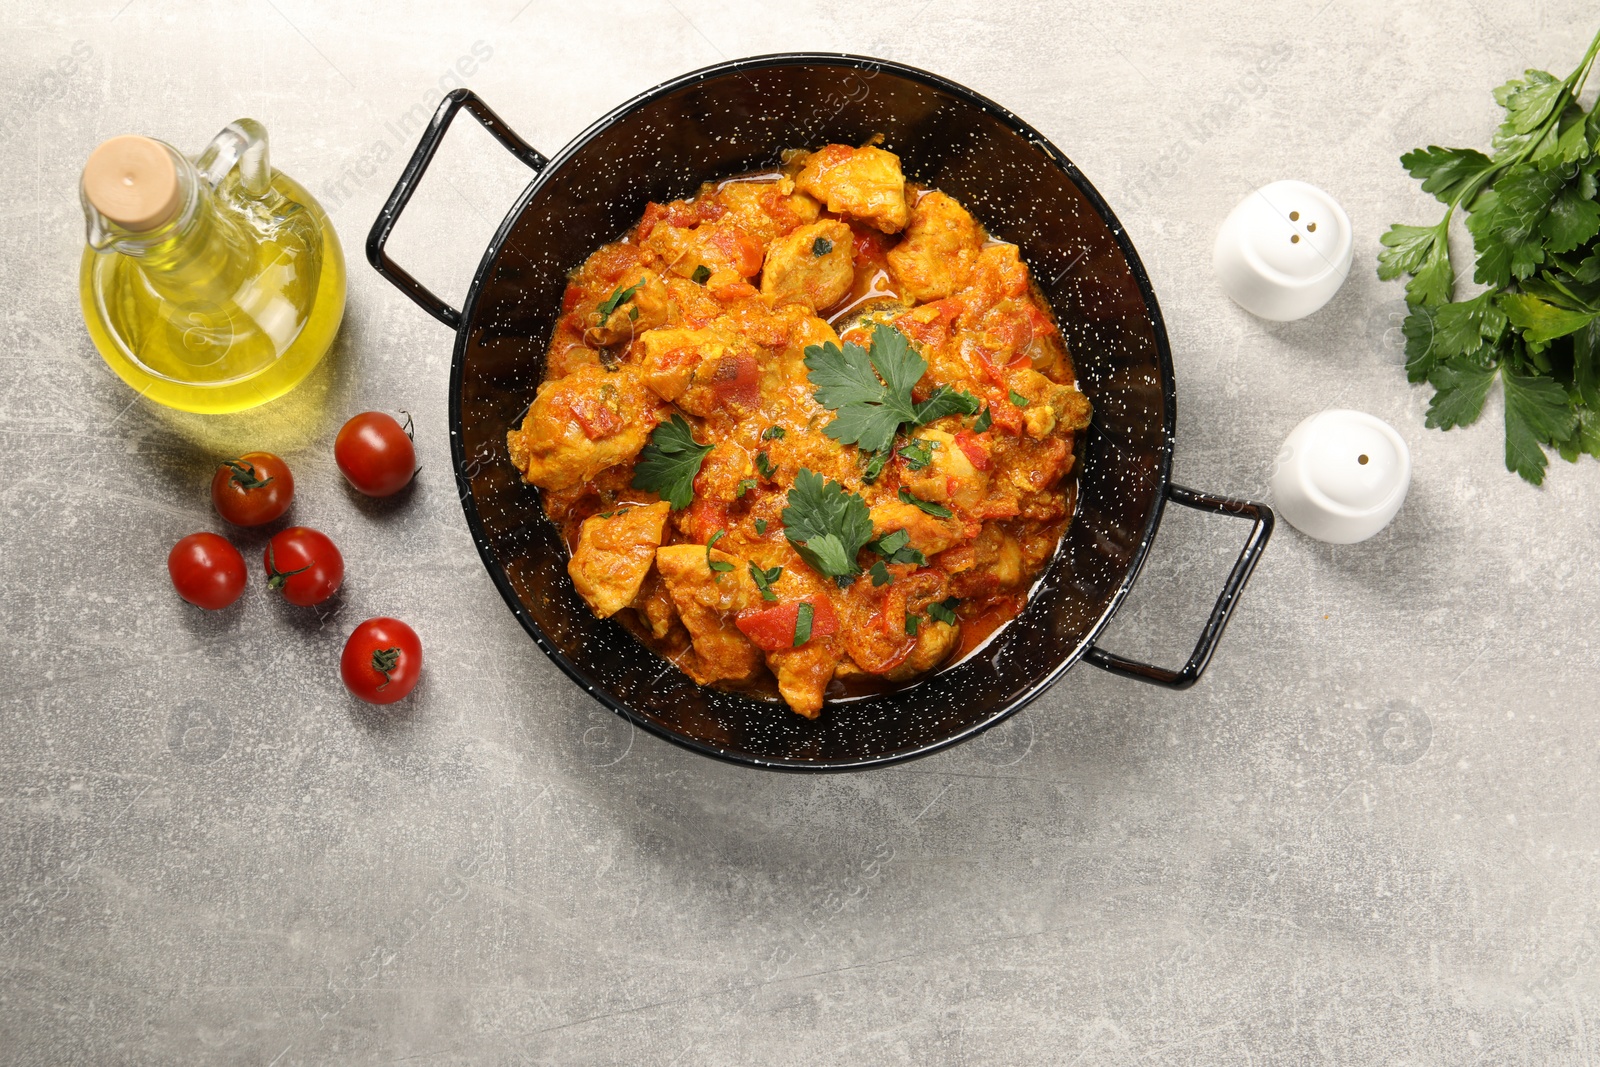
[1311,227]
[1294,216]
[1294,238]
[1362,459]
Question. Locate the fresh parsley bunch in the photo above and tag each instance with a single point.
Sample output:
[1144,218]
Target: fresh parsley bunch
[1535,224]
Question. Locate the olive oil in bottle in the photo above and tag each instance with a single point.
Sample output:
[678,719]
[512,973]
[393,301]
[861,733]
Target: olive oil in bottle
[211,285]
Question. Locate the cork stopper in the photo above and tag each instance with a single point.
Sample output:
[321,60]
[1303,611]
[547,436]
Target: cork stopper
[132,181]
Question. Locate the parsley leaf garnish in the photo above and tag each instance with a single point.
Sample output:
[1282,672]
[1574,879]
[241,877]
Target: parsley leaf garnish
[945,610]
[764,464]
[718,566]
[938,511]
[701,274]
[896,548]
[802,623]
[618,297]
[1534,215]
[1018,400]
[761,527]
[821,246]
[985,420]
[764,580]
[669,463]
[911,625]
[876,461]
[826,525]
[744,486]
[869,412]
[918,452]
[880,573]
[773,433]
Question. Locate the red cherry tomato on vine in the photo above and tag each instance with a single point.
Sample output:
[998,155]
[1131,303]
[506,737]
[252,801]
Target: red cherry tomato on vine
[376,454]
[206,571]
[382,661]
[304,564]
[253,489]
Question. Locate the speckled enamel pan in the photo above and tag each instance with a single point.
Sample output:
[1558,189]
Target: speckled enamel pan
[733,118]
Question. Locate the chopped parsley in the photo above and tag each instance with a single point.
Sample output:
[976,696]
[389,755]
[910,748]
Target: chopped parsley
[918,452]
[701,274]
[761,527]
[826,525]
[718,566]
[1018,400]
[911,625]
[945,610]
[875,464]
[985,420]
[896,548]
[773,433]
[764,464]
[880,574]
[869,412]
[745,485]
[764,580]
[821,246]
[618,297]
[669,463]
[938,511]
[802,623]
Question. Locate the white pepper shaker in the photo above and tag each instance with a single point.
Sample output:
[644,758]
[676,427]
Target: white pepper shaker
[1284,251]
[1341,476]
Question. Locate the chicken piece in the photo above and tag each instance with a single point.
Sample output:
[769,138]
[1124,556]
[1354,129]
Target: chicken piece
[929,535]
[935,641]
[642,303]
[653,605]
[1052,407]
[864,183]
[997,274]
[764,210]
[579,425]
[615,551]
[950,475]
[702,370]
[707,601]
[941,247]
[783,373]
[811,266]
[708,250]
[804,673]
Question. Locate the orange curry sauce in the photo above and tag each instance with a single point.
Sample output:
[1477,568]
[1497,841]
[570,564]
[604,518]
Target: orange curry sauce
[714,301]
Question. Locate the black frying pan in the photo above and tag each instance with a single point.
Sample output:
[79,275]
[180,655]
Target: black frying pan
[734,118]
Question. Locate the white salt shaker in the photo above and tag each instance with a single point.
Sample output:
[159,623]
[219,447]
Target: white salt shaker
[1284,251]
[1341,476]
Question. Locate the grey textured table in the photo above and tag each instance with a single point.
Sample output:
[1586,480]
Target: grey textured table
[1368,836]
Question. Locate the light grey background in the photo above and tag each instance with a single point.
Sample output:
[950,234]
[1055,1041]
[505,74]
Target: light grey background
[1368,836]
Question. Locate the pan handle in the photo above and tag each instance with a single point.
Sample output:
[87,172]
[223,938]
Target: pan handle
[1242,569]
[453,102]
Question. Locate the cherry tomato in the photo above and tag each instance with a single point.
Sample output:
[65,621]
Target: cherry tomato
[252,490]
[382,661]
[305,564]
[206,571]
[375,453]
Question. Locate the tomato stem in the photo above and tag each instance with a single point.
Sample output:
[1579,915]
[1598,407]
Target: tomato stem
[275,577]
[244,474]
[385,660]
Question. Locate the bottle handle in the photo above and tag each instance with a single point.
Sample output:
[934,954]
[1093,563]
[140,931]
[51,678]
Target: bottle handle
[243,144]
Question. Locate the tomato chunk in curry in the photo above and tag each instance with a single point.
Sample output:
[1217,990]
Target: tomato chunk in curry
[718,313]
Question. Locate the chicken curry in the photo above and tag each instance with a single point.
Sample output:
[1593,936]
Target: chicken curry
[812,429]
